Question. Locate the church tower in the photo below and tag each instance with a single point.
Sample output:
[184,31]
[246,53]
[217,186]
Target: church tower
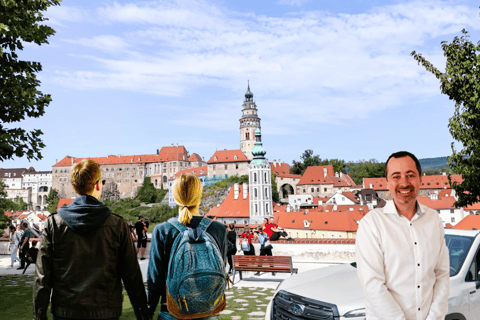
[260,183]
[249,122]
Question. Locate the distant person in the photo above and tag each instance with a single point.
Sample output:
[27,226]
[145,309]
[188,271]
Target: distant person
[142,236]
[131,227]
[147,224]
[248,236]
[24,244]
[231,245]
[402,260]
[265,246]
[274,232]
[31,255]
[85,253]
[203,244]
[15,238]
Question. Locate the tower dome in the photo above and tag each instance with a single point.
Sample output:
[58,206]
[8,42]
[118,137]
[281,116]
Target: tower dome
[248,94]
[258,150]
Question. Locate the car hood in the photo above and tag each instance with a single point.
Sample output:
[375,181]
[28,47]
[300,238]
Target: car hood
[338,284]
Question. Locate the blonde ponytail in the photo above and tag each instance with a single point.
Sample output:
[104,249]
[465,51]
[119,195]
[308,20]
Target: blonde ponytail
[187,193]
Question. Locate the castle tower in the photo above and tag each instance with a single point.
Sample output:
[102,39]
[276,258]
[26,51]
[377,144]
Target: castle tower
[260,183]
[249,122]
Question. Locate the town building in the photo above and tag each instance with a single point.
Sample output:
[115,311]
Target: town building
[226,163]
[322,181]
[40,184]
[200,172]
[260,183]
[125,174]
[286,182]
[249,123]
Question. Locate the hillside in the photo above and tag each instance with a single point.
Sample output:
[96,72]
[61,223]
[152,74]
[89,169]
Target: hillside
[433,163]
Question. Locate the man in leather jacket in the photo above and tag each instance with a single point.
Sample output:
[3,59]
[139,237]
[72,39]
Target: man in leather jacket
[85,253]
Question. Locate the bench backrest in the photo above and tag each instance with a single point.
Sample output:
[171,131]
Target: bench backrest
[262,260]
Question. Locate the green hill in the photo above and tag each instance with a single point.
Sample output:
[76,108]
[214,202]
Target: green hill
[433,163]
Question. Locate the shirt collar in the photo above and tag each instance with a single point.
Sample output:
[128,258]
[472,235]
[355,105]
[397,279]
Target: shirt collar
[391,209]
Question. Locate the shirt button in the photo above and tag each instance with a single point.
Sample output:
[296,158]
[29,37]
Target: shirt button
[418,287]
[418,309]
[415,243]
[410,224]
[419,264]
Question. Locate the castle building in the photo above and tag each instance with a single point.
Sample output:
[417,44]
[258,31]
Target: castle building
[249,122]
[260,183]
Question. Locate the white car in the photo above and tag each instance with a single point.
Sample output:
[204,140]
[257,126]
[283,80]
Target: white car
[334,293]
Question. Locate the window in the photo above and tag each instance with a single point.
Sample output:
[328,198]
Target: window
[340,236]
[324,189]
[303,190]
[236,165]
[226,167]
[255,192]
[312,189]
[265,178]
[254,177]
[323,235]
[266,207]
[452,211]
[266,194]
[332,236]
[318,189]
[256,208]
[453,219]
[213,167]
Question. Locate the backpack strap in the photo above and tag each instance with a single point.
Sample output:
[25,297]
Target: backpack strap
[204,224]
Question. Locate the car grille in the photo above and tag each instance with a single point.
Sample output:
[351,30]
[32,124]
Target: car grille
[285,303]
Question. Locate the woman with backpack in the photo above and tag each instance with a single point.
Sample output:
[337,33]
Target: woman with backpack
[231,245]
[246,243]
[186,267]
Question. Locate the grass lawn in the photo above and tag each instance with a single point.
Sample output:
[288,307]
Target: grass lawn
[16,302]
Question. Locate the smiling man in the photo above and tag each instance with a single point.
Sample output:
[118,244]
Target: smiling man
[402,259]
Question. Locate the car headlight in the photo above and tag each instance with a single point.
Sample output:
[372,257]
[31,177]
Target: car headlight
[355,313]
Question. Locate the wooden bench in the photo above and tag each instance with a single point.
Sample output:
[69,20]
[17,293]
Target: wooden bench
[262,263]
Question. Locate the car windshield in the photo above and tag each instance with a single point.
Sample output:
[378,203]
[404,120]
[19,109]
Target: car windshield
[458,247]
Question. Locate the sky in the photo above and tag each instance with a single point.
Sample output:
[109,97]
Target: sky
[337,77]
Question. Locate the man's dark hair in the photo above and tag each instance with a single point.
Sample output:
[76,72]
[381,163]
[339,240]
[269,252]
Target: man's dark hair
[402,154]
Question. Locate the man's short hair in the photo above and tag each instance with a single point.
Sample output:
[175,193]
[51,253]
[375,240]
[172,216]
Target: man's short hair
[25,225]
[34,243]
[402,154]
[84,175]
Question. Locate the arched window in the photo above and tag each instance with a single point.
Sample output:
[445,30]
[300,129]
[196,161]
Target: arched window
[255,191]
[164,178]
[266,208]
[256,208]
[266,194]
[266,181]
[254,177]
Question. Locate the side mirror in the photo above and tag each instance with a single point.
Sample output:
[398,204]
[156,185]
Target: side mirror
[477,284]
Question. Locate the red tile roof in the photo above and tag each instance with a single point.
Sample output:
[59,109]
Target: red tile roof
[231,208]
[198,171]
[428,182]
[64,202]
[316,176]
[351,196]
[440,203]
[448,225]
[173,153]
[332,221]
[222,156]
[288,175]
[280,168]
[316,199]
[470,222]
[195,158]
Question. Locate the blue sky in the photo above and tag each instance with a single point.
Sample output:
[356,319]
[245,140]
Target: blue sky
[128,77]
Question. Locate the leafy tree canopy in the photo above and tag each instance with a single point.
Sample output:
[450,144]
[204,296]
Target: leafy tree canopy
[365,169]
[460,82]
[20,22]
[52,201]
[275,195]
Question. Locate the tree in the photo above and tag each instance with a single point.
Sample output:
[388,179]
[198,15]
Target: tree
[460,82]
[147,192]
[365,169]
[20,22]
[275,195]
[52,201]
[431,172]
[308,159]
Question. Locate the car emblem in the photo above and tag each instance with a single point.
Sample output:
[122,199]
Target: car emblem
[296,309]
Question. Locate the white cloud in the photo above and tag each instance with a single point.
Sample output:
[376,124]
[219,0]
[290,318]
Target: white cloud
[296,3]
[60,15]
[314,67]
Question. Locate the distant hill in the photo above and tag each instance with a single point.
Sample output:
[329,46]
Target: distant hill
[433,163]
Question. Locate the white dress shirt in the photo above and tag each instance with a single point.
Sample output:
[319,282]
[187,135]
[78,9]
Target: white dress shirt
[403,265]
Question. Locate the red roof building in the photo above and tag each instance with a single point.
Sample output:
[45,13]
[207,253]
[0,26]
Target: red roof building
[470,222]
[322,181]
[64,202]
[227,163]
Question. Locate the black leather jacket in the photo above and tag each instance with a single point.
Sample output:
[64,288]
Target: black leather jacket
[83,272]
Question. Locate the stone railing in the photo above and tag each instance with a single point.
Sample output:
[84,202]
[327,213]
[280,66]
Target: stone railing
[301,250]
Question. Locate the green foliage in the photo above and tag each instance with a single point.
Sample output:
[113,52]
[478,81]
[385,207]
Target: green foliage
[147,192]
[309,160]
[275,195]
[52,201]
[433,163]
[160,194]
[210,190]
[19,204]
[431,172]
[365,169]
[130,209]
[20,22]
[460,82]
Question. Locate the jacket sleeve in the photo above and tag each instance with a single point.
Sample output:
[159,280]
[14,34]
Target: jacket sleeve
[42,287]
[131,274]
[441,288]
[157,267]
[371,271]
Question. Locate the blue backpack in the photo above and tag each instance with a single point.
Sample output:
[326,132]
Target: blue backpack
[196,277]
